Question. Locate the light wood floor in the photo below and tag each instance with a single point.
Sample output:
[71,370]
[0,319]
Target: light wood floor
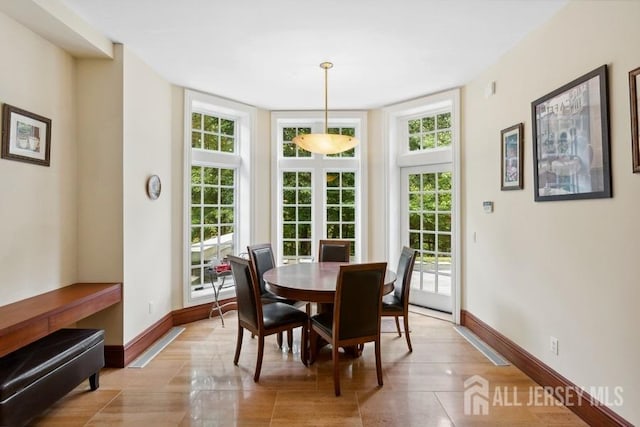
[194,382]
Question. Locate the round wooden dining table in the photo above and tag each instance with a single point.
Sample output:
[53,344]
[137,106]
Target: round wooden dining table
[312,281]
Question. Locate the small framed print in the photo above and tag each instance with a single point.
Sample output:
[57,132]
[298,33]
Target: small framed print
[26,137]
[511,147]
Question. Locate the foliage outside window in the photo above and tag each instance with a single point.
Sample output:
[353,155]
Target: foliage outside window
[213,193]
[430,216]
[341,207]
[296,215]
[289,148]
[430,131]
[317,195]
[349,131]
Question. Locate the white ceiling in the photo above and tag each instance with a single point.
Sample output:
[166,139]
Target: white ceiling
[267,53]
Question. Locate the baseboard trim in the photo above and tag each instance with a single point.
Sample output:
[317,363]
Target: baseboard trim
[117,356]
[590,410]
[201,311]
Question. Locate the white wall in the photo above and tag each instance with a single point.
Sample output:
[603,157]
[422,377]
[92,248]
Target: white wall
[147,224]
[564,268]
[177,199]
[99,128]
[37,203]
[377,195]
[261,161]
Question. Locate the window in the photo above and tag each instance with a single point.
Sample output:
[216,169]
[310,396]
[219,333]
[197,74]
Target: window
[430,230]
[217,185]
[430,131]
[296,215]
[213,205]
[318,196]
[340,202]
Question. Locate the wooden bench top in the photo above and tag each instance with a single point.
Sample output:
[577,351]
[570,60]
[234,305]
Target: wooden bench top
[28,320]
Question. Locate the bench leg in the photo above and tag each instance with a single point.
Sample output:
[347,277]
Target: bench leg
[94,381]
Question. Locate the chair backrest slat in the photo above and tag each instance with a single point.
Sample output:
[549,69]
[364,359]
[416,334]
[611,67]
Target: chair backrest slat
[358,300]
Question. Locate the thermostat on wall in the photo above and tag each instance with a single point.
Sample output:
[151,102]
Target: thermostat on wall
[487,207]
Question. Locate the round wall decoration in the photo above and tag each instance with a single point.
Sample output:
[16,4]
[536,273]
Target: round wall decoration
[154,187]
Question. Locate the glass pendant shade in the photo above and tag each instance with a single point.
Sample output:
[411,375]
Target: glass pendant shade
[325,143]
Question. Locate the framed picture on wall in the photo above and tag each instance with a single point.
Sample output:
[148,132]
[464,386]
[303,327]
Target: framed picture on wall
[26,137]
[511,148]
[634,95]
[571,140]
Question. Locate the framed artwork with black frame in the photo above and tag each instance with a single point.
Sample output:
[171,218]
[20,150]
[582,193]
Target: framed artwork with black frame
[511,148]
[571,140]
[634,98]
[26,137]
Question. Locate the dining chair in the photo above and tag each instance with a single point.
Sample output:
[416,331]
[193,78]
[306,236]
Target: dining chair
[262,259]
[396,304]
[355,319]
[334,251]
[261,319]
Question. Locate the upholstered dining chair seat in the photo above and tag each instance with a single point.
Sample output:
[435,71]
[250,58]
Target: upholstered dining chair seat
[278,314]
[391,303]
[324,321]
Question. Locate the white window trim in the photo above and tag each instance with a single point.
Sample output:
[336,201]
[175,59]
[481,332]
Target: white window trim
[246,122]
[320,164]
[397,156]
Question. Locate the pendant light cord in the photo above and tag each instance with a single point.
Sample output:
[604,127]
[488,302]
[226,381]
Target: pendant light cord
[326,102]
[325,66]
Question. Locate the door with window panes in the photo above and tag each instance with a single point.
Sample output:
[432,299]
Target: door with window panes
[427,222]
[213,197]
[318,197]
[427,204]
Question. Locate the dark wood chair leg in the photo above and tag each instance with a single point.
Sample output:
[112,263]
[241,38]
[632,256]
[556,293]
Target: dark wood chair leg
[378,362]
[336,370]
[313,345]
[406,333]
[290,340]
[279,339]
[238,345]
[304,348]
[256,376]
[398,325]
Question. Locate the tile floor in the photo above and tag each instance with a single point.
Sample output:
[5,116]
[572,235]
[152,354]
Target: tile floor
[193,382]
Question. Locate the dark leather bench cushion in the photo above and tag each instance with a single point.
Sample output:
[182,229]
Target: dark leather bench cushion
[26,365]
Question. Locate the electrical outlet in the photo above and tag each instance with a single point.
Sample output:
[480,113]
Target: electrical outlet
[151,304]
[553,345]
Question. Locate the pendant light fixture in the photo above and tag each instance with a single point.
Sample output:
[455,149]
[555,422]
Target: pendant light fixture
[325,143]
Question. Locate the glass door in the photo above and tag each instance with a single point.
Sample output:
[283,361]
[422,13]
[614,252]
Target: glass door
[427,198]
